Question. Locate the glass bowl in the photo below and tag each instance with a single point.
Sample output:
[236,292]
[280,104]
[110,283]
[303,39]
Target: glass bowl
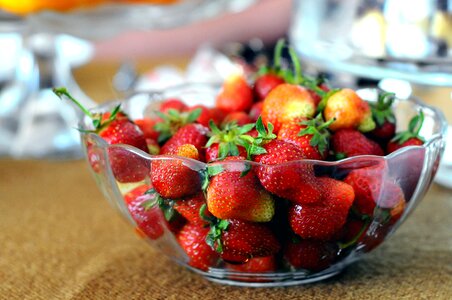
[404,177]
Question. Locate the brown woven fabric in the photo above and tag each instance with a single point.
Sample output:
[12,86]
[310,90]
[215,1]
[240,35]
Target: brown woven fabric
[59,239]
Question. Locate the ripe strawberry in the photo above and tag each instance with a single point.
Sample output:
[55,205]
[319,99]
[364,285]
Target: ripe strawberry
[410,137]
[269,77]
[238,241]
[285,103]
[116,128]
[240,118]
[255,265]
[205,116]
[312,136]
[351,142]
[194,134]
[322,86]
[147,127]
[384,117]
[238,194]
[349,110]
[171,178]
[173,120]
[236,95]
[256,111]
[310,254]
[322,220]
[372,188]
[264,84]
[150,221]
[190,207]
[172,103]
[296,181]
[230,141]
[192,238]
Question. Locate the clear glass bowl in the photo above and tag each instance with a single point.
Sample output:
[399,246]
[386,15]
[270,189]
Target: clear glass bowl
[410,169]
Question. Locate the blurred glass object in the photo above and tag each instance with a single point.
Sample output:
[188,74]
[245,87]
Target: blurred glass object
[405,40]
[39,50]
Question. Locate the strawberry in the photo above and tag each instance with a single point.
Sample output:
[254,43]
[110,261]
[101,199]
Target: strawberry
[230,141]
[372,188]
[205,115]
[172,178]
[312,136]
[238,194]
[256,111]
[322,220]
[189,208]
[348,110]
[147,127]
[287,102]
[410,137]
[321,86]
[310,254]
[194,134]
[172,103]
[295,181]
[192,238]
[240,118]
[236,95]
[116,128]
[351,142]
[384,117]
[238,241]
[269,77]
[149,220]
[255,265]
[173,120]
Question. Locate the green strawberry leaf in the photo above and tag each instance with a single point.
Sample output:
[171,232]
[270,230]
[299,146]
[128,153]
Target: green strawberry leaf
[215,169]
[247,169]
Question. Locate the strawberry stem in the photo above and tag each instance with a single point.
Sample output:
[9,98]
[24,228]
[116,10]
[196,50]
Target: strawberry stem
[62,91]
[356,237]
[278,54]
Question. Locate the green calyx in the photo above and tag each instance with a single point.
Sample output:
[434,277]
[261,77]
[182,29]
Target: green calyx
[265,135]
[382,109]
[229,138]
[217,227]
[173,120]
[414,127]
[318,128]
[166,205]
[96,118]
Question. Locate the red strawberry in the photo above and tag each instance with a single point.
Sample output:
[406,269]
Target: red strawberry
[194,134]
[384,117]
[150,221]
[310,254]
[256,265]
[204,117]
[351,142]
[116,128]
[192,238]
[238,241]
[373,188]
[264,84]
[256,111]
[236,95]
[312,136]
[285,103]
[240,118]
[172,179]
[227,142]
[172,103]
[322,220]
[322,86]
[147,127]
[410,137]
[173,120]
[238,194]
[190,207]
[348,110]
[295,181]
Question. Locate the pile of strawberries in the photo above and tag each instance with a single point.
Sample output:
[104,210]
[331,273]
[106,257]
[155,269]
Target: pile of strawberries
[263,201]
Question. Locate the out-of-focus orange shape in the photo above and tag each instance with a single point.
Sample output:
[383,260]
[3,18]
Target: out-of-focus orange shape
[24,7]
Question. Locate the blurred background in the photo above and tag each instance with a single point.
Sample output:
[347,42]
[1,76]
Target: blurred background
[102,49]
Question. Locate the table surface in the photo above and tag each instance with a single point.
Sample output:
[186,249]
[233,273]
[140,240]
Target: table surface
[60,240]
